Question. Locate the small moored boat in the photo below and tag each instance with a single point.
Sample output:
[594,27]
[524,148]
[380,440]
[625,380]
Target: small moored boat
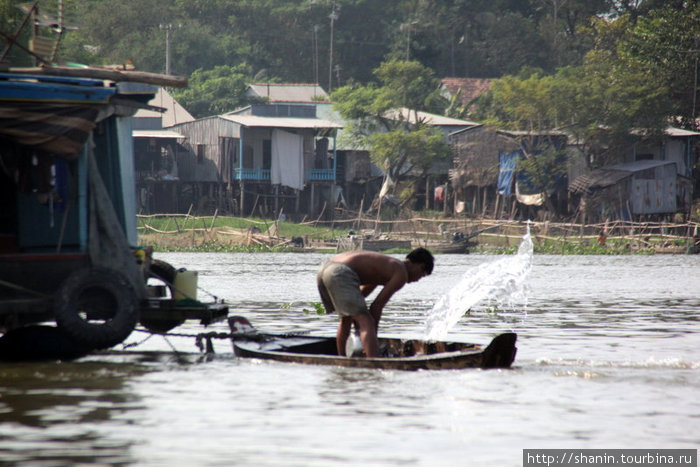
[397,354]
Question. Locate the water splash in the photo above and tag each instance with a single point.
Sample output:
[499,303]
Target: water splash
[501,281]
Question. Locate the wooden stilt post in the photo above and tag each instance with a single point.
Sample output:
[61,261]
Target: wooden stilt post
[312,208]
[242,206]
[277,198]
[427,192]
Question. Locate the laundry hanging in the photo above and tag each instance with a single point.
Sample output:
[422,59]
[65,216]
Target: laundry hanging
[287,165]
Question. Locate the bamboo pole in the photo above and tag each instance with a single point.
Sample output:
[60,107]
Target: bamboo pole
[213,219]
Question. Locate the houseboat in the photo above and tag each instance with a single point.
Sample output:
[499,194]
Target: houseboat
[69,253]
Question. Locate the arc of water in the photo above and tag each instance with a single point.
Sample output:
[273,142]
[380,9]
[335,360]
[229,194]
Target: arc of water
[502,281]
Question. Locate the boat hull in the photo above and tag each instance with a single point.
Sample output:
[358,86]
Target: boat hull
[398,354]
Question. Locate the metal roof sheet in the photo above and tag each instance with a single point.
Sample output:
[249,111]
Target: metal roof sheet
[281,122]
[288,92]
[636,166]
[157,134]
[173,114]
[431,119]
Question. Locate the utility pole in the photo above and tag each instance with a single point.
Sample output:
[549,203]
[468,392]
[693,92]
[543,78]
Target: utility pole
[333,16]
[407,27]
[315,47]
[168,27]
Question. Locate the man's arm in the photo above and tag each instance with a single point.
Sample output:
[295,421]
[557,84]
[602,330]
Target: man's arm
[398,280]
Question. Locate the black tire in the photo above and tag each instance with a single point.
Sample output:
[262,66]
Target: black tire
[96,307]
[162,270]
[165,272]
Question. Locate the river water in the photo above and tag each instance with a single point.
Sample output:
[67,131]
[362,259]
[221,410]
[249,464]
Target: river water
[608,358]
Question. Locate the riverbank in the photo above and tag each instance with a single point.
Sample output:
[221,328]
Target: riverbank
[233,234]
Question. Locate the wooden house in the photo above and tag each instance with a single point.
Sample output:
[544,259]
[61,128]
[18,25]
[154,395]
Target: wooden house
[652,180]
[630,190]
[484,176]
[160,159]
[269,158]
[474,175]
[677,145]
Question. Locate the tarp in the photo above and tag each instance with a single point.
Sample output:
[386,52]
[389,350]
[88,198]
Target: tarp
[535,199]
[59,129]
[507,162]
[287,165]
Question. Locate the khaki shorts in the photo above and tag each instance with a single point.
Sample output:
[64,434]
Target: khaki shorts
[339,287]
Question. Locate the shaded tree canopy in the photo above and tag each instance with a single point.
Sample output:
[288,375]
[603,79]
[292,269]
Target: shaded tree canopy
[291,40]
[639,77]
[604,63]
[398,142]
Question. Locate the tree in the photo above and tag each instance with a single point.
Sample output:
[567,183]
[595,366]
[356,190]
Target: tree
[212,92]
[601,103]
[665,47]
[399,142]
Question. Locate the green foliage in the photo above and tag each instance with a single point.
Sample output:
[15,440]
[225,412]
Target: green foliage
[573,247]
[544,169]
[316,308]
[398,149]
[628,81]
[407,84]
[284,229]
[663,48]
[215,247]
[216,91]
[290,40]
[596,67]
[398,141]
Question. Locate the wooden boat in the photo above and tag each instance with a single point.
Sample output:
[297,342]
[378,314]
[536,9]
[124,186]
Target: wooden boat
[459,247]
[397,354]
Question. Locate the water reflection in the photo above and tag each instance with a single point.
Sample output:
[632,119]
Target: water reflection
[49,411]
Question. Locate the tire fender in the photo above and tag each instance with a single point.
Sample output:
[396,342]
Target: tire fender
[166,273]
[96,307]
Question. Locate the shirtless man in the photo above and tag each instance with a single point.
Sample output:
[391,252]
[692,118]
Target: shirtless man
[346,279]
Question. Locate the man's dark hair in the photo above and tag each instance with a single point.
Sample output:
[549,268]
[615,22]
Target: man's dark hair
[421,255]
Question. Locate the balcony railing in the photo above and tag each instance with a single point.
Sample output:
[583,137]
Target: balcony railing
[320,174]
[264,174]
[252,174]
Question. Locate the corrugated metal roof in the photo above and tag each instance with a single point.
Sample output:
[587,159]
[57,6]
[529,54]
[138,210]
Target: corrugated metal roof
[288,92]
[157,134]
[637,166]
[280,122]
[599,178]
[431,119]
[610,175]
